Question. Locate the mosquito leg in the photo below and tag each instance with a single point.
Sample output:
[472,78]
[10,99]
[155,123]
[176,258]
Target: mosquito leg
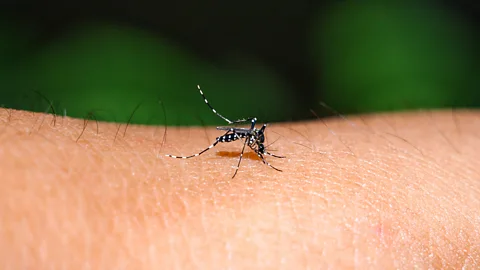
[219,139]
[240,159]
[270,154]
[211,108]
[266,163]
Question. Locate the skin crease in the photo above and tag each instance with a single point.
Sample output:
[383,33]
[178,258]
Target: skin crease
[384,191]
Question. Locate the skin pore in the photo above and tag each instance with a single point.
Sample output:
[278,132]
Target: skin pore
[382,191]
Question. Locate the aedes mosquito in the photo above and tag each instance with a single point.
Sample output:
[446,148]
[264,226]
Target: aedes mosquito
[254,137]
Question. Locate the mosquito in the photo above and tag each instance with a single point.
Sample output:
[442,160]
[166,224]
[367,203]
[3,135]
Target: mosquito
[253,137]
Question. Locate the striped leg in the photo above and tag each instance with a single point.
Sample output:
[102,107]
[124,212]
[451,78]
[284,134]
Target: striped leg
[221,116]
[266,163]
[210,106]
[195,155]
[219,139]
[270,154]
[240,159]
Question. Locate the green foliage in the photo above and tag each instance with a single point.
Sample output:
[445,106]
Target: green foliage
[376,57]
[109,69]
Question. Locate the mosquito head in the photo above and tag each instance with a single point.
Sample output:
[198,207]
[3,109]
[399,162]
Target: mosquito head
[261,148]
[261,134]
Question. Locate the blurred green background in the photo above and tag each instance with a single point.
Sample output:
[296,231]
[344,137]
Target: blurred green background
[273,60]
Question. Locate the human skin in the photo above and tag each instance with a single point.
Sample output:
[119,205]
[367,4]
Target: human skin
[385,191]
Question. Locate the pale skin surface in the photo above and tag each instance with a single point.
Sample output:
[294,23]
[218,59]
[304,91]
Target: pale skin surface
[392,191]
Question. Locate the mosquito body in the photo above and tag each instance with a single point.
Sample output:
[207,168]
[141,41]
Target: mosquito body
[253,137]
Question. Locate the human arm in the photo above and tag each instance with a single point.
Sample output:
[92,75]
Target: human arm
[391,191]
